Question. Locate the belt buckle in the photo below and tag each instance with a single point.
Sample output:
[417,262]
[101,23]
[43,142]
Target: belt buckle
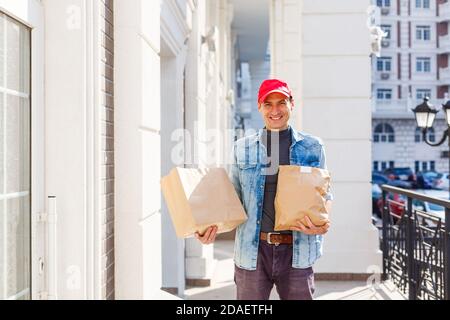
[269,235]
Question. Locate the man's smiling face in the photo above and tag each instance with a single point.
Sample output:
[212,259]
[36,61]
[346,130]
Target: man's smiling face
[276,111]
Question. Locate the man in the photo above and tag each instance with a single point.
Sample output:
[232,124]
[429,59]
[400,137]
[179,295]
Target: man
[264,258]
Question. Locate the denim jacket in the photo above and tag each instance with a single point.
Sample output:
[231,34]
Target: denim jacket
[248,177]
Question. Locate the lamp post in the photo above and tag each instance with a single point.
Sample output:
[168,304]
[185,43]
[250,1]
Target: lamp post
[426,115]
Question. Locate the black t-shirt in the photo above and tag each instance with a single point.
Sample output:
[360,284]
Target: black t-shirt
[274,141]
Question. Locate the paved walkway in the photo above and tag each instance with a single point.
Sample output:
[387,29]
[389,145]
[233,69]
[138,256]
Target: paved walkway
[223,287]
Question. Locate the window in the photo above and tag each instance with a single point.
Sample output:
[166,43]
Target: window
[384,64]
[423,33]
[425,4]
[383,165]
[422,93]
[423,65]
[15,156]
[388,29]
[425,166]
[431,136]
[384,94]
[387,165]
[384,133]
[383,3]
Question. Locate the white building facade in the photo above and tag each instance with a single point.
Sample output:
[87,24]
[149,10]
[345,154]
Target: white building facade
[413,64]
[108,95]
[94,94]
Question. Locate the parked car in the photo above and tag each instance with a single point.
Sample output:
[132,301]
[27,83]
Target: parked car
[430,175]
[376,195]
[397,204]
[401,184]
[425,180]
[403,174]
[442,181]
[431,208]
[379,179]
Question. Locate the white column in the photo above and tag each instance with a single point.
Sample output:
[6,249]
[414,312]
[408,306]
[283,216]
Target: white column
[72,126]
[171,120]
[174,32]
[286,49]
[330,72]
[137,145]
[199,258]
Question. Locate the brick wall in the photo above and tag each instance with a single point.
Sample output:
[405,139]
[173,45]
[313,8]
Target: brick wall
[107,148]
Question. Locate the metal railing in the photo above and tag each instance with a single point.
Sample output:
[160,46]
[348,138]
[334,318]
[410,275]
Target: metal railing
[416,245]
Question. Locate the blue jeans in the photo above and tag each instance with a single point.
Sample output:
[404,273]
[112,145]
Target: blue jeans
[274,268]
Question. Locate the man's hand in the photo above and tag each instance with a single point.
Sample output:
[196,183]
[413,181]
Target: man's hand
[307,227]
[209,236]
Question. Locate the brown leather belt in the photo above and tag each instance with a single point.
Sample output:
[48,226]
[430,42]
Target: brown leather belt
[276,239]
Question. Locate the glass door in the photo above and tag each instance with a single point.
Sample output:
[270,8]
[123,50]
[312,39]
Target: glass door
[15,160]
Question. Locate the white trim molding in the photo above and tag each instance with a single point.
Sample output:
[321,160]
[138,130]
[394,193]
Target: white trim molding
[174,28]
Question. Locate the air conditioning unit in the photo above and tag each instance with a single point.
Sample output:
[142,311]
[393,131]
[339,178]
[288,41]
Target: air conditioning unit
[385,11]
[385,76]
[385,43]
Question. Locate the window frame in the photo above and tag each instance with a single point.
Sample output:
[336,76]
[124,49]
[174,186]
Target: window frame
[384,64]
[382,94]
[384,133]
[418,135]
[31,14]
[420,93]
[420,4]
[423,64]
[384,3]
[423,33]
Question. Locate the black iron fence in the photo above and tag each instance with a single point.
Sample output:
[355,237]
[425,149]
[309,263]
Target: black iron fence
[416,244]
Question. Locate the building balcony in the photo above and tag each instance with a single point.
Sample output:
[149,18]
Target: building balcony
[444,44]
[444,75]
[391,108]
[444,11]
[399,108]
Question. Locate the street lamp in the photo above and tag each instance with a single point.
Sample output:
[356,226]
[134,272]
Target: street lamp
[446,108]
[425,115]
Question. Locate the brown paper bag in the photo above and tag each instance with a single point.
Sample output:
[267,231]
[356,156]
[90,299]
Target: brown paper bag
[200,198]
[301,192]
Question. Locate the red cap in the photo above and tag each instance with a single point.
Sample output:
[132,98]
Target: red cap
[273,86]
